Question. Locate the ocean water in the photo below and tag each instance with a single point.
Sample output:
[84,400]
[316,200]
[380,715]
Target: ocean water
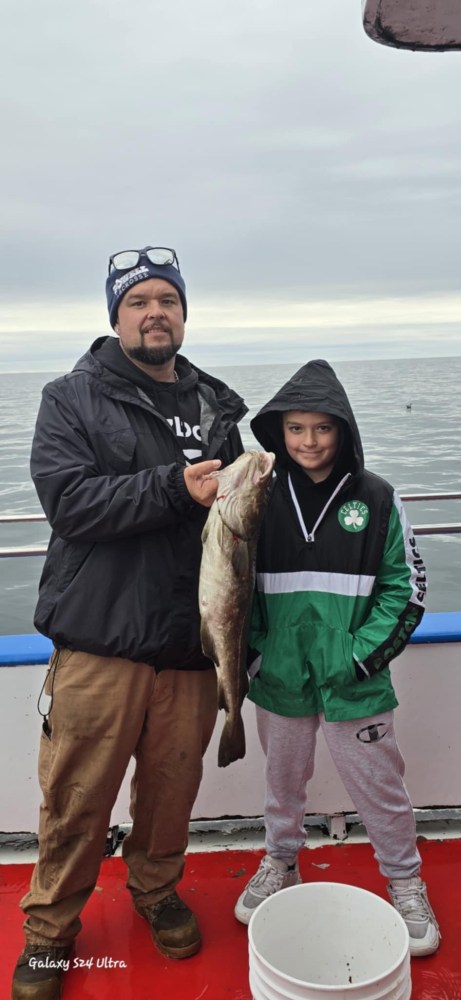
[417,449]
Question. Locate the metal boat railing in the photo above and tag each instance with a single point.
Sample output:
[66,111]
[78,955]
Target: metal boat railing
[441,628]
[418,529]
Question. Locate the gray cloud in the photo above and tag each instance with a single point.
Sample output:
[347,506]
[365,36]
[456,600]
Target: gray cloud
[276,147]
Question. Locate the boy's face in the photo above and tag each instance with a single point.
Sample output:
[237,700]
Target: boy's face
[311,440]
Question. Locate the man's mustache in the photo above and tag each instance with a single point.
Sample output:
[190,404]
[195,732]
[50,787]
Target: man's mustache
[157,326]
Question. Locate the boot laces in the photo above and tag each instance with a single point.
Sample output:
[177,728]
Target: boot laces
[54,952]
[173,902]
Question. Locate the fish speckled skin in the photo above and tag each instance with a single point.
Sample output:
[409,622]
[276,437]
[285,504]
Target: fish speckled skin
[226,585]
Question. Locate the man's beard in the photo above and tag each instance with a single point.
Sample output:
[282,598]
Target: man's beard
[152,355]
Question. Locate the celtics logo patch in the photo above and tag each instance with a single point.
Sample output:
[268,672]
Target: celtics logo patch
[353,516]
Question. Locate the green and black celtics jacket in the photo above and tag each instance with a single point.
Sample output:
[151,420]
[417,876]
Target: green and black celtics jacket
[340,584]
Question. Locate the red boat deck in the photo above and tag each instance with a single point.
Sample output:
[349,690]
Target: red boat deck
[112,933]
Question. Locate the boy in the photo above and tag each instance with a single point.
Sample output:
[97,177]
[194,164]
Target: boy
[340,589]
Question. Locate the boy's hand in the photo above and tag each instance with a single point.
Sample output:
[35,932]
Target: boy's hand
[200,482]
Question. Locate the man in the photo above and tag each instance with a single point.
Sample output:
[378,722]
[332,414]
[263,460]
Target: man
[122,450]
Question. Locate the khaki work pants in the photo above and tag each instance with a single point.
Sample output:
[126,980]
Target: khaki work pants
[103,711]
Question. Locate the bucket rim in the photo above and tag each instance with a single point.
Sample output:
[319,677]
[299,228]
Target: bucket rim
[323,987]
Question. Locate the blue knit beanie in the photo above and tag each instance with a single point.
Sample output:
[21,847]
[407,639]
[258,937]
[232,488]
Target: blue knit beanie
[118,283]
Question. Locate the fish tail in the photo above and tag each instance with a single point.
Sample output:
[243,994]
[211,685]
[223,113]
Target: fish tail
[232,743]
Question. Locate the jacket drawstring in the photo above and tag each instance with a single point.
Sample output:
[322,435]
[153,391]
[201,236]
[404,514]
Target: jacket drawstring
[309,536]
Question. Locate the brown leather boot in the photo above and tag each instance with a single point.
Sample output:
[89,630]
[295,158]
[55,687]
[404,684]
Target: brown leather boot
[39,971]
[173,927]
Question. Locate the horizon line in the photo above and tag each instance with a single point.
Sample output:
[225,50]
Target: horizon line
[269,364]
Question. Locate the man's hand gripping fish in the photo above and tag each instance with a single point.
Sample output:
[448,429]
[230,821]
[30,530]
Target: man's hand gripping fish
[226,584]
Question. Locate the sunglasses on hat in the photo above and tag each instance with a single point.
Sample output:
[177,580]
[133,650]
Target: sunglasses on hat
[126,259]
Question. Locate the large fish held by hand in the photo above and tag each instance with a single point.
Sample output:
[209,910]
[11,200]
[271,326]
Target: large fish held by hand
[226,584]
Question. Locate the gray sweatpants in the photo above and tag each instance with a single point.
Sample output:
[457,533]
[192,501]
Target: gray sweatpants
[371,767]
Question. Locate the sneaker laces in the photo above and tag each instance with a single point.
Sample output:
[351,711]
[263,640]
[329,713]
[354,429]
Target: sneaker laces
[268,876]
[412,903]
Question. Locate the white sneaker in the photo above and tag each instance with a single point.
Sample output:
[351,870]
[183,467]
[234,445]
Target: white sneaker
[271,876]
[409,896]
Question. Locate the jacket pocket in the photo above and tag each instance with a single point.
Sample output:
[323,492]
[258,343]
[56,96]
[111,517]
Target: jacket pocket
[329,653]
[72,557]
[115,450]
[284,664]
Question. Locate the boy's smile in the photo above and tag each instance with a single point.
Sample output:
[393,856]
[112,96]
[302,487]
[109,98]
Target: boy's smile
[311,440]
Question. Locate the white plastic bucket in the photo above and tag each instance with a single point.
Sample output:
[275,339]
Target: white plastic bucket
[325,940]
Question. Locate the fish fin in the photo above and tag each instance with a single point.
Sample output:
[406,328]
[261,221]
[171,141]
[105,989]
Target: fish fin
[208,646]
[222,700]
[241,560]
[232,743]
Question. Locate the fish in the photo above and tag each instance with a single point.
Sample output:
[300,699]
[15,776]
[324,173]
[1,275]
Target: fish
[226,584]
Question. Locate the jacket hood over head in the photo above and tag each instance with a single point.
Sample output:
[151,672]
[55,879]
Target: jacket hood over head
[314,388]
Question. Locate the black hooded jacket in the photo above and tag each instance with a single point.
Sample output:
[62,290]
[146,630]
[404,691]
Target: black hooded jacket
[121,574]
[340,583]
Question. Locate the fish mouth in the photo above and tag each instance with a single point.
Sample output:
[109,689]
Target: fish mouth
[266,464]
[255,467]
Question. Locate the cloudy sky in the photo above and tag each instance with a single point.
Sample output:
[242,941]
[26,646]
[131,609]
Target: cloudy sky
[309,179]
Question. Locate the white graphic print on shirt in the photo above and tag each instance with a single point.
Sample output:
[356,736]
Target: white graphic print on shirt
[191,435]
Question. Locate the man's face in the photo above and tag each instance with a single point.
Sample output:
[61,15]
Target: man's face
[150,322]
[311,440]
